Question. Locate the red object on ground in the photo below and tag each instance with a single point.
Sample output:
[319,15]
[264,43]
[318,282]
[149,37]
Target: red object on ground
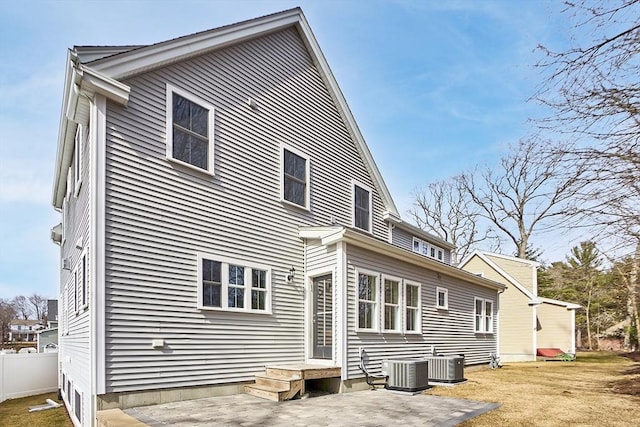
[549,352]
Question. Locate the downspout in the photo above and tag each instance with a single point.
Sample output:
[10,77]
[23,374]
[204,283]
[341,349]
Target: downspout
[500,291]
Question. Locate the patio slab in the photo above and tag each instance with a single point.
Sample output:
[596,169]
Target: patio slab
[363,408]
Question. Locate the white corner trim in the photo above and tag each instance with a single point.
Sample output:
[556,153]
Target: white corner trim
[97,176]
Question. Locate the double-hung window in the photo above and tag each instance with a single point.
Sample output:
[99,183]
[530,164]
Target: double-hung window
[483,316]
[412,308]
[391,305]
[295,177]
[189,129]
[233,285]
[361,207]
[236,286]
[367,301]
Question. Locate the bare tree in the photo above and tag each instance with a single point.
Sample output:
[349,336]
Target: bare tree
[594,93]
[446,209]
[7,314]
[21,306]
[39,305]
[532,190]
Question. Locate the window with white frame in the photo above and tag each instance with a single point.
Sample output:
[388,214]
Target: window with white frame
[233,285]
[190,123]
[258,289]
[427,249]
[367,301]
[391,302]
[295,177]
[412,307]
[362,207]
[442,298]
[77,159]
[76,285]
[77,406]
[483,315]
[81,282]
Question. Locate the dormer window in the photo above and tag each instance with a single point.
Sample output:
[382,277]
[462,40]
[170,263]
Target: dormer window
[427,249]
[362,207]
[189,130]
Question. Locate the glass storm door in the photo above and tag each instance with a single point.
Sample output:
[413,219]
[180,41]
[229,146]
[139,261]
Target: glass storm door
[322,317]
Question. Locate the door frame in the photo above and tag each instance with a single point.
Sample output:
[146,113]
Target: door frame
[309,329]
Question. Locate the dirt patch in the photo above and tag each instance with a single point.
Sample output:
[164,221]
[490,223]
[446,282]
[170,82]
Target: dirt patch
[629,386]
[634,355]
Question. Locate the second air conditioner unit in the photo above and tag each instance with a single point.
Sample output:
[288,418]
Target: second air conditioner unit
[407,374]
[446,369]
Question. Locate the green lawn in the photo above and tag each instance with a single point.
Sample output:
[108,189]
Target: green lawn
[15,413]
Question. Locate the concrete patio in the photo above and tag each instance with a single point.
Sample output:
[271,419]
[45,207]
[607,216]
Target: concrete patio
[364,408]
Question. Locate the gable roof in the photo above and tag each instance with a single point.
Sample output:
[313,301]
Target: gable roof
[476,253]
[101,75]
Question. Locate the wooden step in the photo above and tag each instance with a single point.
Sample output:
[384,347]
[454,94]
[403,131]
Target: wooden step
[272,382]
[276,393]
[283,374]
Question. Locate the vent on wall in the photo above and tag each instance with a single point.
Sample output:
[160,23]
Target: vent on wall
[407,374]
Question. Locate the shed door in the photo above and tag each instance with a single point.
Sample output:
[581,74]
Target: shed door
[322,317]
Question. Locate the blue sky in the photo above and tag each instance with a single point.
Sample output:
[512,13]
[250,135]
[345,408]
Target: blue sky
[435,86]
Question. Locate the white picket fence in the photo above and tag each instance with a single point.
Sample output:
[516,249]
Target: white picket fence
[27,374]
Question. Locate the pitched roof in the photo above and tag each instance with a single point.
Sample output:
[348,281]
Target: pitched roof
[101,75]
[332,234]
[483,256]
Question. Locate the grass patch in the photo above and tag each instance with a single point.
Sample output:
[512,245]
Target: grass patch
[15,412]
[583,392]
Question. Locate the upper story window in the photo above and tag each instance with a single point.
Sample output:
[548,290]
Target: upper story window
[427,249]
[233,285]
[442,298]
[362,207]
[189,129]
[295,177]
[483,315]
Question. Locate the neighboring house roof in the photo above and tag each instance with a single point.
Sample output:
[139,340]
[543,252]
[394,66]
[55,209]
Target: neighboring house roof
[534,298]
[513,258]
[101,76]
[483,256]
[333,234]
[568,305]
[23,322]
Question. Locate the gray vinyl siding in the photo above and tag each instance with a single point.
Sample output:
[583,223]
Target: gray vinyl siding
[450,331]
[159,215]
[74,345]
[320,257]
[404,239]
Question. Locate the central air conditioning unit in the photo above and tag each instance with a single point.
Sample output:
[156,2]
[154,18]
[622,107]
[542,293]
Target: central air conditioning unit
[406,374]
[446,369]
